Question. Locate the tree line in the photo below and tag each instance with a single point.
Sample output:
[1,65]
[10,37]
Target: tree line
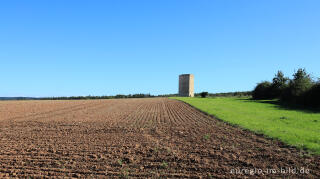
[227,94]
[119,96]
[301,89]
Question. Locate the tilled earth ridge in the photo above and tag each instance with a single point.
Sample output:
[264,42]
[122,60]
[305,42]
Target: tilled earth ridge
[136,138]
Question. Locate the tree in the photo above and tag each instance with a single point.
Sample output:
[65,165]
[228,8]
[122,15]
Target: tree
[301,82]
[279,84]
[298,86]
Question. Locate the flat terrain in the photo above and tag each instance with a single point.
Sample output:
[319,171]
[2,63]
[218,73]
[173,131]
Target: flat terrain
[296,127]
[142,138]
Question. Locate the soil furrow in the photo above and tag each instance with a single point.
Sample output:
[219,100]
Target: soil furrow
[136,138]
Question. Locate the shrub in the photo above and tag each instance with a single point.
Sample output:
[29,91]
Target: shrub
[300,90]
[312,96]
[204,94]
[262,91]
[228,94]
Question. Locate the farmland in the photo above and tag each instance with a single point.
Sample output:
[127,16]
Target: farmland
[138,138]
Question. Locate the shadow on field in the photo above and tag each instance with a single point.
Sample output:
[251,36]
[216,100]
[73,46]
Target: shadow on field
[282,105]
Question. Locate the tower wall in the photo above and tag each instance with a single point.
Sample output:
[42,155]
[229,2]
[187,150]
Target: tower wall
[186,85]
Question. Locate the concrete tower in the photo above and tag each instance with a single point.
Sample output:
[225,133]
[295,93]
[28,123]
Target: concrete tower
[186,87]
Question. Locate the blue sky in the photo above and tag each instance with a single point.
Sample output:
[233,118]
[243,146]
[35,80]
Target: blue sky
[66,48]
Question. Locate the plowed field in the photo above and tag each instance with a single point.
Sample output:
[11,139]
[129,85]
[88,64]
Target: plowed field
[141,138]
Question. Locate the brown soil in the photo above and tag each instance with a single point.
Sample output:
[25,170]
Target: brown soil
[143,138]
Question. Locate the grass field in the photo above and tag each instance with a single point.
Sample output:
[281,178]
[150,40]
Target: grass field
[300,128]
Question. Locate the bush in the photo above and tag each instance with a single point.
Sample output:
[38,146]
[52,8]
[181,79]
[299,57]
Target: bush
[204,94]
[228,94]
[278,86]
[312,96]
[300,90]
[262,90]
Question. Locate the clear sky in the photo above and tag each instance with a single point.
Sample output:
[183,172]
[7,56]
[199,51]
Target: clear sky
[108,47]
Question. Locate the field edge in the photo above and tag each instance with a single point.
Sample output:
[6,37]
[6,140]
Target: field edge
[303,150]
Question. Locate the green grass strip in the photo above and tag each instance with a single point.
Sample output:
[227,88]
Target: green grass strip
[300,128]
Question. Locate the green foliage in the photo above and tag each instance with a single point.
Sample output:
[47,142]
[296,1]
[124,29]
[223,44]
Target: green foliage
[299,128]
[279,84]
[299,90]
[312,96]
[168,95]
[119,96]
[164,164]
[228,94]
[267,90]
[298,86]
[279,80]
[204,94]
[206,137]
[302,81]
[120,162]
[262,90]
